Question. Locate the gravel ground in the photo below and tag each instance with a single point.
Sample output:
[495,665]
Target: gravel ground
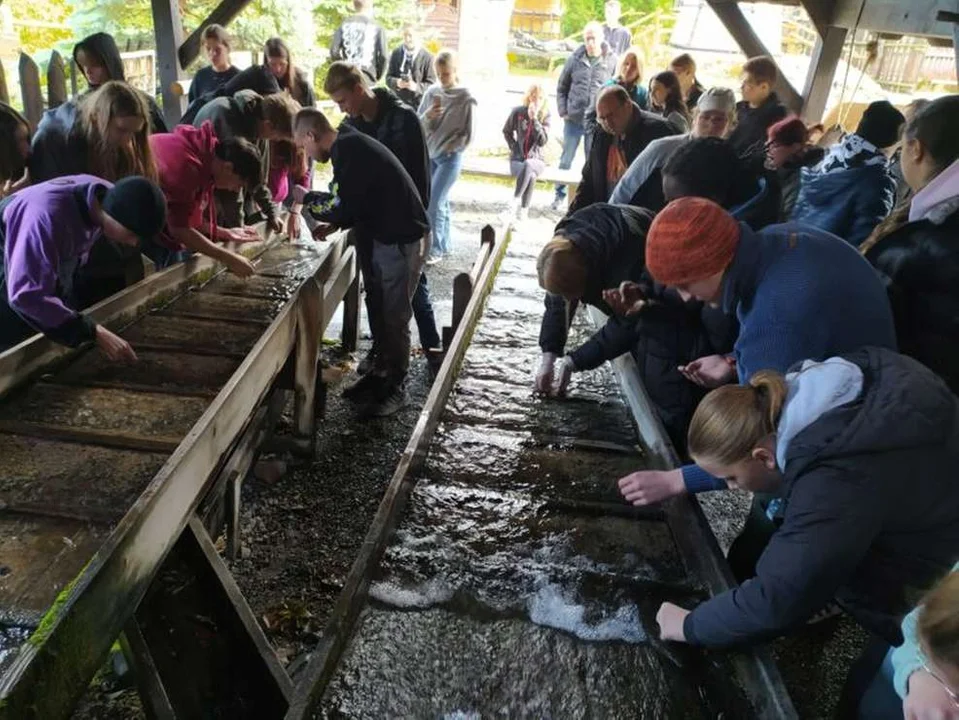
[302,530]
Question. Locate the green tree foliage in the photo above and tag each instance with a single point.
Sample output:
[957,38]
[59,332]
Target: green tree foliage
[44,35]
[576,13]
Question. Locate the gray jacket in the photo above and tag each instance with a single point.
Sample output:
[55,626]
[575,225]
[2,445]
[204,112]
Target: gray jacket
[452,131]
[580,83]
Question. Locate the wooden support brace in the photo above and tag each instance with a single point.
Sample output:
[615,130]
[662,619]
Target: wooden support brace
[4,93]
[233,487]
[155,701]
[351,316]
[308,329]
[822,69]
[168,30]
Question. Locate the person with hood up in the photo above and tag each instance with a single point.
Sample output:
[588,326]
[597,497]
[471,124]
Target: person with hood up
[216,44]
[625,132]
[447,116]
[925,668]
[915,249]
[373,193]
[851,191]
[759,108]
[361,41]
[642,183]
[411,69]
[98,58]
[14,150]
[870,507]
[582,77]
[258,120]
[526,132]
[192,163]
[788,151]
[784,284]
[46,232]
[379,113]
[592,249]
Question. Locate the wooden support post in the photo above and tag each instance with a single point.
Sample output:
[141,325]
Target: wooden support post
[351,316]
[4,93]
[56,81]
[233,487]
[309,313]
[206,645]
[168,30]
[822,69]
[30,90]
[750,43]
[156,704]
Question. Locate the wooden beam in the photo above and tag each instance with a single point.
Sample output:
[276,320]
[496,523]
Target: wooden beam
[4,93]
[222,14]
[902,17]
[750,43]
[168,30]
[822,70]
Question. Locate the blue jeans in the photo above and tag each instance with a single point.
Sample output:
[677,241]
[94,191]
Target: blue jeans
[572,134]
[423,314]
[445,169]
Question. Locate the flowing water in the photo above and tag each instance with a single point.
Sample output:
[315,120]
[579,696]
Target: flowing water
[518,584]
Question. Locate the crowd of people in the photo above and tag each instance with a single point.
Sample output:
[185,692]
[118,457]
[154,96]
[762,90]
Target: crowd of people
[792,309]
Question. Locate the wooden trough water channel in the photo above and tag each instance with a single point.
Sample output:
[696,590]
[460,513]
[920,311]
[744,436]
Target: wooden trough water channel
[116,478]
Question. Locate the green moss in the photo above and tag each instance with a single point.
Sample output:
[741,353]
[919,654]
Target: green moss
[52,615]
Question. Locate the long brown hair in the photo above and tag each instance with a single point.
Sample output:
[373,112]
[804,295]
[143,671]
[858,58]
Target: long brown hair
[111,100]
[12,164]
[732,420]
[938,622]
[276,47]
[674,101]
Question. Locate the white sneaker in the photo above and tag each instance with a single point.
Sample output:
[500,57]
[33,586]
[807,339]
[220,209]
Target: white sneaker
[522,213]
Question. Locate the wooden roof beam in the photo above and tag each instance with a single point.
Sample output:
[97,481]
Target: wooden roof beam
[222,14]
[749,42]
[901,17]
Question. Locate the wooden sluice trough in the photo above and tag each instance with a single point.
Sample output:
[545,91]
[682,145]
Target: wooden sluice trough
[106,467]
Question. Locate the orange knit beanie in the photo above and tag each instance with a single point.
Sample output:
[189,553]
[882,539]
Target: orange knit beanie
[690,240]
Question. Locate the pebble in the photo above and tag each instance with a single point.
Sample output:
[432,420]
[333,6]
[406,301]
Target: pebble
[270,470]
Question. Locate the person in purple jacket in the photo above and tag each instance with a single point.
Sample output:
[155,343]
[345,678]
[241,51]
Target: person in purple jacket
[46,232]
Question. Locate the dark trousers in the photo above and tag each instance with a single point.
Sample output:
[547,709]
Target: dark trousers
[526,173]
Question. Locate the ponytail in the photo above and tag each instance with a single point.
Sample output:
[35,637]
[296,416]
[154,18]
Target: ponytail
[731,420]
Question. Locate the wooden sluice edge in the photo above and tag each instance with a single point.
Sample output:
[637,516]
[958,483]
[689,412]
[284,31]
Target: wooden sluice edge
[697,544]
[317,674]
[52,669]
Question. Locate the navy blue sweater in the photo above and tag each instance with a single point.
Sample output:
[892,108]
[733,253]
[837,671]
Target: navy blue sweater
[799,293]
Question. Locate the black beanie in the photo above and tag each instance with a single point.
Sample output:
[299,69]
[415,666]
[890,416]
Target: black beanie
[138,205]
[881,124]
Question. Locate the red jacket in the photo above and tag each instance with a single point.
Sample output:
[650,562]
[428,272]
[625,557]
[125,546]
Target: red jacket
[184,160]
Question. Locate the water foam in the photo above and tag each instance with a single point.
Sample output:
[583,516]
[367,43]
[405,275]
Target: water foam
[434,591]
[550,608]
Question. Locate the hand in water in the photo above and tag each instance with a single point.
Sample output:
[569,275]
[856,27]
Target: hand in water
[647,487]
[241,235]
[239,265]
[293,226]
[113,346]
[566,370]
[710,371]
[275,225]
[544,374]
[628,299]
[323,231]
[670,619]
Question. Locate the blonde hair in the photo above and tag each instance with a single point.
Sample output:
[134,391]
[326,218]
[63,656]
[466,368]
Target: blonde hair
[561,268]
[543,110]
[634,51]
[938,622]
[115,99]
[732,420]
[447,59]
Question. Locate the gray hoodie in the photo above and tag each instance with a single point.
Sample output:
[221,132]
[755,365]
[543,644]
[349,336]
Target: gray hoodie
[452,131]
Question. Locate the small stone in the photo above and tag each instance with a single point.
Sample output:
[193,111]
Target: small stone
[269,471]
[245,552]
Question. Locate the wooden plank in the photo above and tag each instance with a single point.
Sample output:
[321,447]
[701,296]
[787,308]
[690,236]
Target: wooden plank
[30,91]
[168,32]
[307,353]
[52,673]
[350,335]
[156,702]
[102,438]
[900,17]
[822,69]
[56,81]
[4,92]
[340,625]
[752,45]
[222,14]
[335,290]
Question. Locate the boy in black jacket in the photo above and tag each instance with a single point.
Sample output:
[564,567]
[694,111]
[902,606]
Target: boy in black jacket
[372,192]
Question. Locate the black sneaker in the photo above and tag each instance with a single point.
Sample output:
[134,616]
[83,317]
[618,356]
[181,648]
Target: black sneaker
[366,387]
[393,399]
[434,359]
[366,364]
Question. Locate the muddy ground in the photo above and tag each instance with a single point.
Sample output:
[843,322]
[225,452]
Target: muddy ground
[302,530]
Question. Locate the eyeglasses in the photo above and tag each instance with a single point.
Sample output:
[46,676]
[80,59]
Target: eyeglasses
[949,691]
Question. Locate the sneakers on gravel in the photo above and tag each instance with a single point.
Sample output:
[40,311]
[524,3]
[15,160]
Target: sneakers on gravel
[364,388]
[389,401]
[366,364]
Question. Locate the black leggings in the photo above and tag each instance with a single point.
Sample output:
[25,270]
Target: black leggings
[526,173]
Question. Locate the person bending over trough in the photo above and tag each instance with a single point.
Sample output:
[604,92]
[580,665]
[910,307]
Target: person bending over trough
[14,150]
[46,232]
[595,248]
[871,508]
[784,284]
[373,193]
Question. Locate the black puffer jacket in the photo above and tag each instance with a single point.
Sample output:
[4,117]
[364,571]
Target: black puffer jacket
[749,136]
[104,47]
[871,512]
[580,83]
[643,129]
[525,136]
[398,127]
[612,238]
[257,78]
[919,263]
